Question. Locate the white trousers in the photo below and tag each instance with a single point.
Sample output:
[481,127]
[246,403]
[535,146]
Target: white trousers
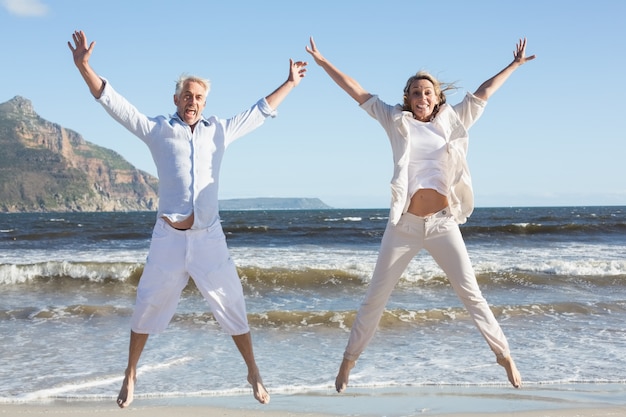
[174,256]
[440,235]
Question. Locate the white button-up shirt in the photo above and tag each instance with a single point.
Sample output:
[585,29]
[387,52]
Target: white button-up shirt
[188,164]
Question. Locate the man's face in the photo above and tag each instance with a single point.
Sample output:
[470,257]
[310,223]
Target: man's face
[191,102]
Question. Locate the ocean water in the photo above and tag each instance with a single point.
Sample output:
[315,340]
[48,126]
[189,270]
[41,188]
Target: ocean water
[555,278]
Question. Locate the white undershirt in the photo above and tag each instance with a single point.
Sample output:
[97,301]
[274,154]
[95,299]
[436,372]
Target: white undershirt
[429,159]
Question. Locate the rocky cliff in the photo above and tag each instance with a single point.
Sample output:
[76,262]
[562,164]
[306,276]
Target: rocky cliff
[45,167]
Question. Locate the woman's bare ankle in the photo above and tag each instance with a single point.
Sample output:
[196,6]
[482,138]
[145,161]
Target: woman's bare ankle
[341,382]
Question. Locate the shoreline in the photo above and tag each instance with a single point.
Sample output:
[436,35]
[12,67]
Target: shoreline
[580,400]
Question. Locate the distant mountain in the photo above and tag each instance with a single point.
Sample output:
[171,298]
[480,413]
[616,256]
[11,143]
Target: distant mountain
[47,168]
[273,204]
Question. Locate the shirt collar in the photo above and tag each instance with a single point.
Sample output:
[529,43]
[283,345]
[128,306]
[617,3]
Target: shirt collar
[175,118]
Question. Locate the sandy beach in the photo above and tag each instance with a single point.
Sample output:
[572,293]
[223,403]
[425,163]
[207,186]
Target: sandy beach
[100,410]
[460,401]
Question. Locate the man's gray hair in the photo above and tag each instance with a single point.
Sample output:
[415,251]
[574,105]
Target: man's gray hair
[184,78]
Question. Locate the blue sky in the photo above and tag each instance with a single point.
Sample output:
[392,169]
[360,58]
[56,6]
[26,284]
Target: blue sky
[549,136]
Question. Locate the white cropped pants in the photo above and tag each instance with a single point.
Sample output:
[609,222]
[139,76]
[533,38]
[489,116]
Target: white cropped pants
[440,235]
[174,256]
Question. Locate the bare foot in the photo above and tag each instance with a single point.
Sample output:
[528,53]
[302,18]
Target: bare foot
[511,370]
[341,382]
[260,393]
[125,397]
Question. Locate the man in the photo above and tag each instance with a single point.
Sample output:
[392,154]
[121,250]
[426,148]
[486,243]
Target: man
[187,239]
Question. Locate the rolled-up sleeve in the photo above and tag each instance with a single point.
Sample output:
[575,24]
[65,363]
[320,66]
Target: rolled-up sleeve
[266,109]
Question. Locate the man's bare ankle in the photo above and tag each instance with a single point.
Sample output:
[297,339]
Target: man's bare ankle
[348,363]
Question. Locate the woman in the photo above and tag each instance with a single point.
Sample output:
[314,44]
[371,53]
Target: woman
[431,196]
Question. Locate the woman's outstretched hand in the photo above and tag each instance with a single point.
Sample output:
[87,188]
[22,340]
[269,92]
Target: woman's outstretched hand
[519,56]
[317,56]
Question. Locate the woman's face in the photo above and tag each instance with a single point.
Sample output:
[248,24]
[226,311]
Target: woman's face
[422,99]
